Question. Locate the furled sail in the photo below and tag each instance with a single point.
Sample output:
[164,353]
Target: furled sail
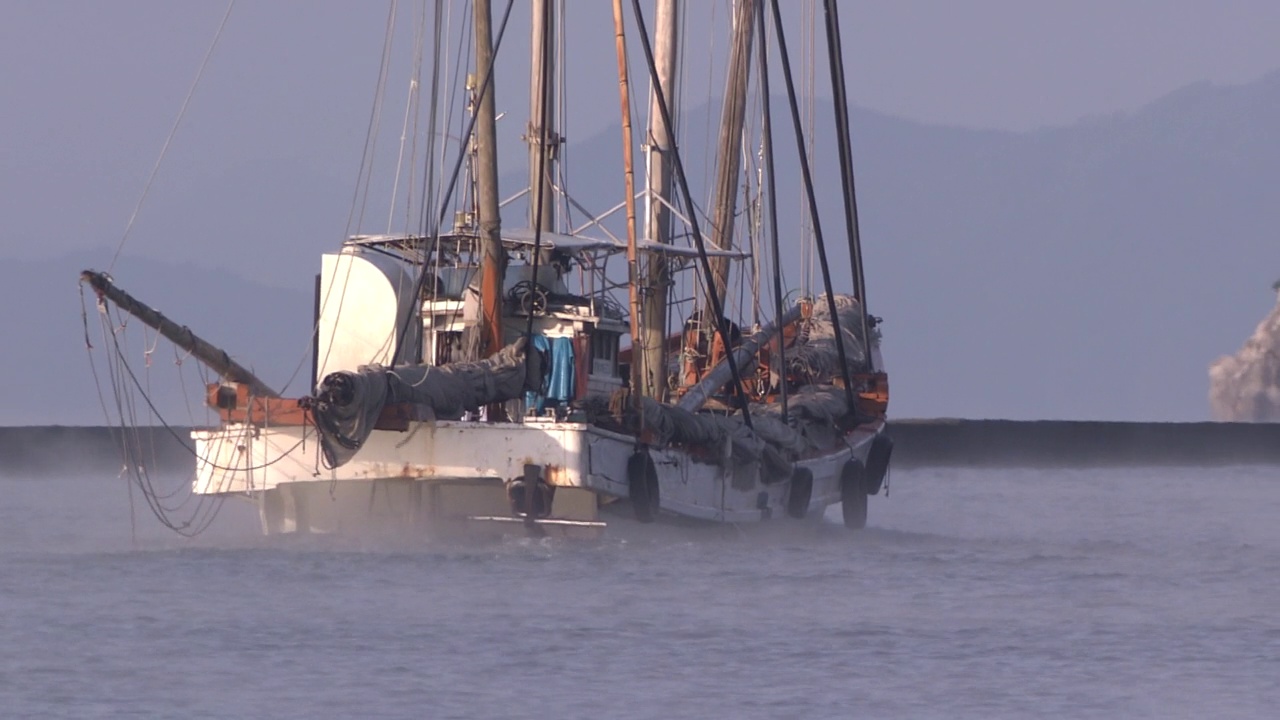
[772,441]
[815,355]
[347,404]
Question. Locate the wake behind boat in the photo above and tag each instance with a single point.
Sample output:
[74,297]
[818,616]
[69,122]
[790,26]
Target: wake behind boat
[477,377]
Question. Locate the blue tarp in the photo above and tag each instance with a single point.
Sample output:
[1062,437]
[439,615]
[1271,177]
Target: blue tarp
[558,380]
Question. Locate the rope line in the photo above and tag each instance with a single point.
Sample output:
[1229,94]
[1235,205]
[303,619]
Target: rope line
[172,131]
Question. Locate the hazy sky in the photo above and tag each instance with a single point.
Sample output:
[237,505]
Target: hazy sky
[1008,64]
[89,90]
[1018,64]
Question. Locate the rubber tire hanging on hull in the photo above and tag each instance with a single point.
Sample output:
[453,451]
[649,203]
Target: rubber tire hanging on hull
[801,493]
[878,463]
[853,495]
[642,486]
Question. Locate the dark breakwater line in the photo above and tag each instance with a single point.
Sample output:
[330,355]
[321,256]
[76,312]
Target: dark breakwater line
[1058,443]
[42,450]
[32,451]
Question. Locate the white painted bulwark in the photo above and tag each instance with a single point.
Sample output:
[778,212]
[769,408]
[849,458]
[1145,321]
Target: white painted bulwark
[237,459]
[458,455]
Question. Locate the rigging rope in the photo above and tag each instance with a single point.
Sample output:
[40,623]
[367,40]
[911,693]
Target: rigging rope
[807,177]
[771,197]
[366,158]
[164,505]
[429,175]
[835,55]
[544,109]
[172,131]
[435,164]
[409,105]
[457,168]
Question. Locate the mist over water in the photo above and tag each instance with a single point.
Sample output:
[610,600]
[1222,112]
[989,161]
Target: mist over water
[1136,592]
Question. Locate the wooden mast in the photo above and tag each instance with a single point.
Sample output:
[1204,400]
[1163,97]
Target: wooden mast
[493,259]
[652,343]
[633,271]
[542,142]
[682,180]
[729,146]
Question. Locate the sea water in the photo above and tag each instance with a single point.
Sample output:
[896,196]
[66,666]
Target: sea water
[1139,592]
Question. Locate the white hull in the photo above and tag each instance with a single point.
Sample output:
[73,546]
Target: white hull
[444,475]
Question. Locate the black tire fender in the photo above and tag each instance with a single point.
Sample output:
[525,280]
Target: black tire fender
[878,463]
[853,495]
[642,486]
[800,493]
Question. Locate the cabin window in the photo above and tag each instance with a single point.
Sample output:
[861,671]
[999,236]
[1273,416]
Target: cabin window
[604,353]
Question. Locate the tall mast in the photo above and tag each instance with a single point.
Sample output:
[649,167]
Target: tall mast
[729,146]
[633,268]
[493,260]
[541,143]
[652,345]
[771,197]
[682,180]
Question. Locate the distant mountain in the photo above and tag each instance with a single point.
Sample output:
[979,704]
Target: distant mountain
[1084,272]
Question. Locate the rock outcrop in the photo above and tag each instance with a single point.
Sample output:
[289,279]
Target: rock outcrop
[1245,387]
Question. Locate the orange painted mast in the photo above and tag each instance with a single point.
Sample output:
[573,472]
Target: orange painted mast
[493,258]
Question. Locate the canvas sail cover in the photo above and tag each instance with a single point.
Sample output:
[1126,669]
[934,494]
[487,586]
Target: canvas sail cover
[348,404]
[815,355]
[813,412]
[815,409]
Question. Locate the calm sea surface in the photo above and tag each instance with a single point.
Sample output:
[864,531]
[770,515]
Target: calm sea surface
[975,594]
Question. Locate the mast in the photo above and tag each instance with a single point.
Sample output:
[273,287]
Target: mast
[633,270]
[465,157]
[729,146]
[652,344]
[771,196]
[682,180]
[542,145]
[493,260]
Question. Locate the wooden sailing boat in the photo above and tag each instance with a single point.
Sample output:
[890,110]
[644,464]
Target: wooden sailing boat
[476,377]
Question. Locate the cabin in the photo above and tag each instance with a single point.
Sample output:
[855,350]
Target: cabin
[393,300]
